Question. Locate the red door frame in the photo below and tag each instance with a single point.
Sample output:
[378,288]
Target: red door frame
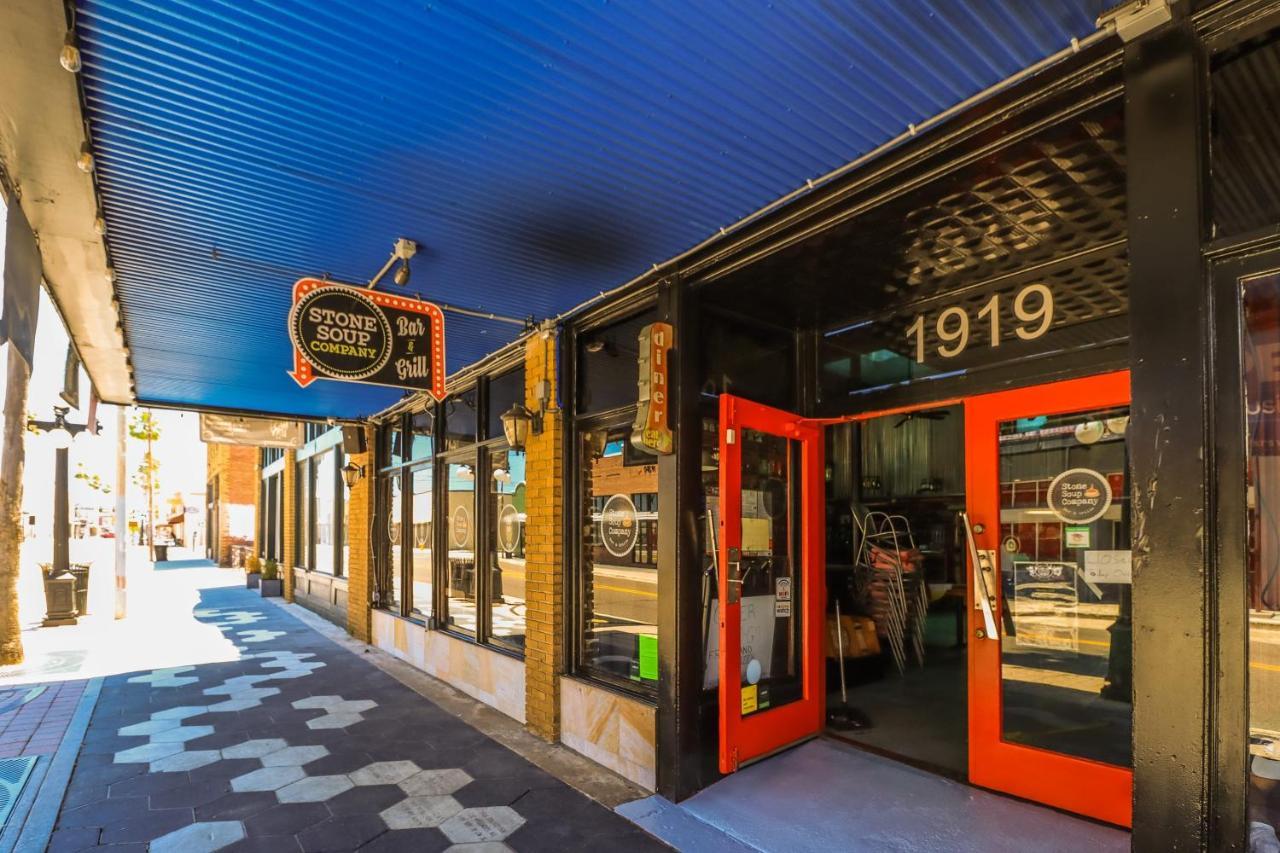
[1092,788]
[742,739]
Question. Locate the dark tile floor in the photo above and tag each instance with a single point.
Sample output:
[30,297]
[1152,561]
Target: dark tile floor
[302,746]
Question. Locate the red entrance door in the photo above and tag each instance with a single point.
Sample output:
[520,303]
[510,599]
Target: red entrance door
[770,580]
[1048,531]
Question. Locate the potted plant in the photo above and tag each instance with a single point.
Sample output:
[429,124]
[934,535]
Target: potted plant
[270,584]
[252,572]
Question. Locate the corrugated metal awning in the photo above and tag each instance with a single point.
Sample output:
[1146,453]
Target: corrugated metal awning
[539,152]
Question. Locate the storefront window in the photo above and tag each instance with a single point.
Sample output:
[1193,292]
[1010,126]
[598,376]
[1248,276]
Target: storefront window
[607,364]
[461,577]
[619,577]
[460,419]
[325,473]
[420,507]
[504,391]
[1262,403]
[395,552]
[506,517]
[422,426]
[302,533]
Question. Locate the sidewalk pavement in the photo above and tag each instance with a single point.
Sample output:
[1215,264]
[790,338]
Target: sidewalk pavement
[256,732]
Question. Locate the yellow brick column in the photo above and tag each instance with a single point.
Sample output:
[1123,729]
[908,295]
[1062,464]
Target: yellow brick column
[544,549]
[290,550]
[360,549]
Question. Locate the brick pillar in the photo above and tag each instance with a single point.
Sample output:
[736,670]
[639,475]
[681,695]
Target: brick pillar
[544,550]
[290,551]
[360,553]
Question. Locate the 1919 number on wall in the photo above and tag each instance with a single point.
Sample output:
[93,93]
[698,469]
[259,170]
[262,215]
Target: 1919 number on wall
[953,330]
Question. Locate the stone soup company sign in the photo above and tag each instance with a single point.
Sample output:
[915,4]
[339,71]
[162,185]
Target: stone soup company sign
[359,335]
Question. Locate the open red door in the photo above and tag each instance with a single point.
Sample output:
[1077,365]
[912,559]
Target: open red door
[1050,650]
[771,584]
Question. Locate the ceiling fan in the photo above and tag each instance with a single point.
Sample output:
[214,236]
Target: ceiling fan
[931,415]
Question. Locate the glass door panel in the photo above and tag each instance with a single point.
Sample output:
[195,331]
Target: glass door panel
[770,586]
[1050,705]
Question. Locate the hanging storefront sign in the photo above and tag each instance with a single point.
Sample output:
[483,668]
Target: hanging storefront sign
[358,335]
[651,431]
[1079,495]
[254,432]
[618,527]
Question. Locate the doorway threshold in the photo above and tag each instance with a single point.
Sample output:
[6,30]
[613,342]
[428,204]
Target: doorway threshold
[825,795]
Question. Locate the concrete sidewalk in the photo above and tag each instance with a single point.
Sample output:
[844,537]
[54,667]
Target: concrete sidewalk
[275,738]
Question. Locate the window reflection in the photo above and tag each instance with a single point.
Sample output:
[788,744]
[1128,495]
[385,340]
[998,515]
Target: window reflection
[619,559]
[1262,405]
[460,538]
[325,472]
[420,507]
[395,512]
[506,547]
[1066,583]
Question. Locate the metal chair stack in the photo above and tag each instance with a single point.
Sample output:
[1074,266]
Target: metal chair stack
[893,576]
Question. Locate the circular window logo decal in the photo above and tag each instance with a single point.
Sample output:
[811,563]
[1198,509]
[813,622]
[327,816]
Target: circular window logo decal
[618,527]
[341,332]
[1079,496]
[509,529]
[460,527]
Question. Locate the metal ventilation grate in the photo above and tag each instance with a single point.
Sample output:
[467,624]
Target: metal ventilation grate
[14,773]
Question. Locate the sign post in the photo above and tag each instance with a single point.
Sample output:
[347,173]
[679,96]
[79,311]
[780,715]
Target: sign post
[353,334]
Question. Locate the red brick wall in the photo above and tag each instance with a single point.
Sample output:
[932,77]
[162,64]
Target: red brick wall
[236,470]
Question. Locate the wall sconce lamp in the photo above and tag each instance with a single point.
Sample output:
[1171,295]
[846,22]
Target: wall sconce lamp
[352,474]
[518,423]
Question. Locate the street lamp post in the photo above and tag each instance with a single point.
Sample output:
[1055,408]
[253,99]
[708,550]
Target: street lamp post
[62,433]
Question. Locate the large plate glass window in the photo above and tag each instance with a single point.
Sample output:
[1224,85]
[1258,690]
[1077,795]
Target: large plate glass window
[325,484]
[460,539]
[394,531]
[1262,418]
[619,592]
[505,536]
[420,508]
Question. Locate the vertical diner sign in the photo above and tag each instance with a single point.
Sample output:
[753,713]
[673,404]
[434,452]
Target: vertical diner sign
[353,334]
[651,431]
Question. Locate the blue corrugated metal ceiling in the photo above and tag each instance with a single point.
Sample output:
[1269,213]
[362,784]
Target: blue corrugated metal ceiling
[539,152]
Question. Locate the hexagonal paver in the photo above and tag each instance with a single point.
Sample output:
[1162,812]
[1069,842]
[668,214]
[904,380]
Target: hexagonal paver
[184,761]
[479,847]
[313,789]
[240,692]
[334,721]
[295,756]
[199,837]
[487,823]
[353,706]
[234,705]
[147,753]
[417,812]
[435,783]
[181,734]
[317,702]
[169,677]
[385,773]
[179,713]
[268,778]
[150,727]
[255,748]
[259,635]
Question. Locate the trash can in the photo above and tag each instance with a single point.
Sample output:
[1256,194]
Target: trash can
[80,571]
[162,553]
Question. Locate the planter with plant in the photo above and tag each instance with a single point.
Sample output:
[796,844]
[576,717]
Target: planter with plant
[252,572]
[270,584]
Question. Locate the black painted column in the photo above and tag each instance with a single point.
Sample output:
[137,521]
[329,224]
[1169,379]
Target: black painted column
[680,560]
[1170,436]
[61,513]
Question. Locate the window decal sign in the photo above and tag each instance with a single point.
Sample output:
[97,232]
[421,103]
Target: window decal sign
[651,431]
[1080,496]
[618,528]
[354,334]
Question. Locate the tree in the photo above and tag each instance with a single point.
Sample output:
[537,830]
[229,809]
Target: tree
[93,481]
[143,427]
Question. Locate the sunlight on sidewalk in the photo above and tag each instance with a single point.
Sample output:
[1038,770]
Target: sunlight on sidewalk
[159,629]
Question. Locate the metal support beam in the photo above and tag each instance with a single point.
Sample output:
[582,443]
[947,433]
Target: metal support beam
[680,742]
[1171,435]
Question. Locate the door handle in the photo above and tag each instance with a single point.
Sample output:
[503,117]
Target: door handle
[983,581]
[733,576]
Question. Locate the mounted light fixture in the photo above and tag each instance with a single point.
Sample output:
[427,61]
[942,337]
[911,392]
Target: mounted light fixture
[597,440]
[352,474]
[403,250]
[516,423]
[69,56]
[85,161]
[59,435]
